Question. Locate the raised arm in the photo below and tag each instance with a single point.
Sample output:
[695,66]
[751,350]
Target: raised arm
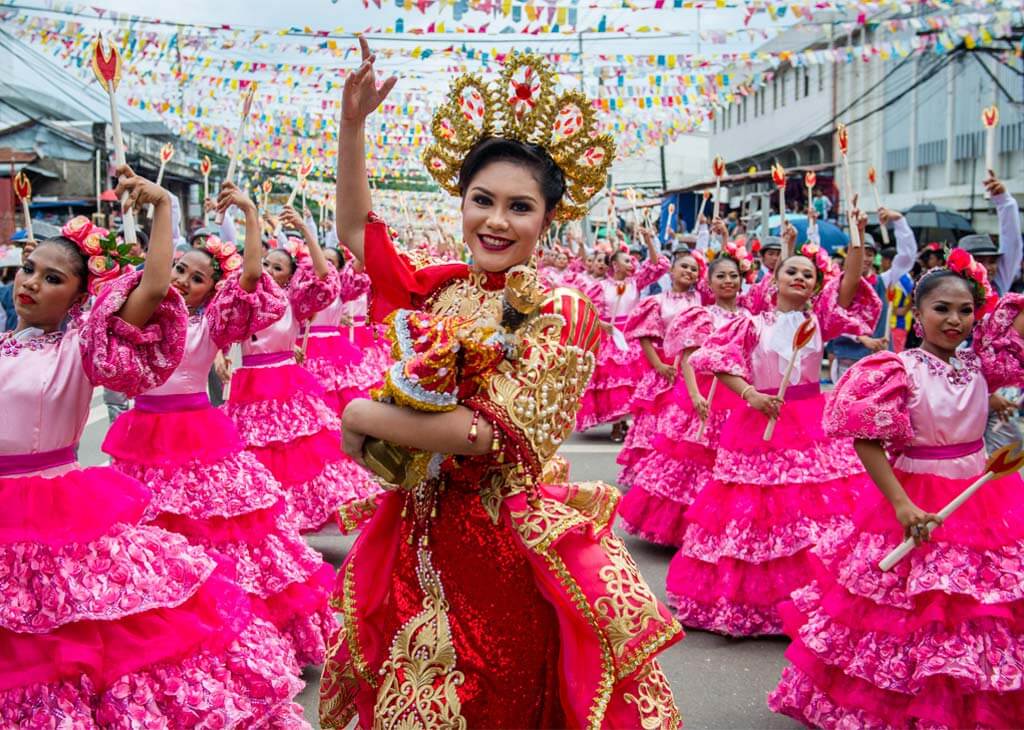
[854,264]
[906,246]
[1010,244]
[316,254]
[360,98]
[252,257]
[142,302]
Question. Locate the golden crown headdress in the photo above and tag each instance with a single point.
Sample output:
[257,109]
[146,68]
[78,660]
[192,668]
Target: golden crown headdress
[522,105]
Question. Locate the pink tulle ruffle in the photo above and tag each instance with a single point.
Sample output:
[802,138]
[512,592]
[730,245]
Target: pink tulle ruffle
[301,613]
[316,501]
[799,451]
[78,506]
[652,517]
[171,439]
[107,649]
[250,684]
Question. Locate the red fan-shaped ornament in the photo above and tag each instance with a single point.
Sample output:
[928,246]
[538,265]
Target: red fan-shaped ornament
[718,166]
[779,175]
[990,116]
[22,187]
[106,64]
[810,179]
[267,187]
[872,175]
[843,137]
[166,153]
[205,166]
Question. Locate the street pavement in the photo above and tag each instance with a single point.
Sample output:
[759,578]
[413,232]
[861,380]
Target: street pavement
[718,682]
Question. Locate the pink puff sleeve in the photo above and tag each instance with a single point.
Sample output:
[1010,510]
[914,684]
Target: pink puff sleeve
[999,345]
[870,402]
[126,358]
[235,314]
[728,350]
[645,320]
[859,319]
[595,293]
[760,297]
[649,272]
[690,329]
[353,284]
[576,266]
[308,293]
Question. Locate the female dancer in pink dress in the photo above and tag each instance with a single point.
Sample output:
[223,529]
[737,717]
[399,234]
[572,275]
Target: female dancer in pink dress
[106,623]
[618,370]
[342,367]
[667,477]
[205,484]
[278,407]
[647,326]
[935,642]
[748,532]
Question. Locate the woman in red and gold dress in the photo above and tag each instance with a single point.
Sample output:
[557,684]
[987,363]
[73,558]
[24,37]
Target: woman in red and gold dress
[481,596]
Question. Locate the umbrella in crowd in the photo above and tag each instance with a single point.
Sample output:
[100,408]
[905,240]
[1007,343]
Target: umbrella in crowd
[933,223]
[832,237]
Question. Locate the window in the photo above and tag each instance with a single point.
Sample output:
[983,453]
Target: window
[757,103]
[783,89]
[891,181]
[714,124]
[807,82]
[745,109]
[821,76]
[775,92]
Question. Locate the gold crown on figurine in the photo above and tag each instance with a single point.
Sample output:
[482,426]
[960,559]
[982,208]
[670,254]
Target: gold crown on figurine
[522,105]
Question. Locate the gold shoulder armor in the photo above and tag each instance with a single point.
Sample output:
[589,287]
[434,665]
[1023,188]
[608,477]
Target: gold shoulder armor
[540,392]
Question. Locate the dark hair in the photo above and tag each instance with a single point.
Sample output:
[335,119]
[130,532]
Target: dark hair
[682,253]
[79,262]
[889,252]
[140,235]
[534,158]
[340,254]
[609,258]
[931,280]
[718,261]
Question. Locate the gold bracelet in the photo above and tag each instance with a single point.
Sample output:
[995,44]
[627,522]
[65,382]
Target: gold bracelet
[743,393]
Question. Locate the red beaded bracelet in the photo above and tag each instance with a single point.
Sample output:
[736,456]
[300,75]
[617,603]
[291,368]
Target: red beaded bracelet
[471,436]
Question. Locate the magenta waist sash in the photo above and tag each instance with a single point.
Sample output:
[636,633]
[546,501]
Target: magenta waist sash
[621,320]
[800,391]
[324,329]
[946,451]
[24,463]
[266,358]
[172,403]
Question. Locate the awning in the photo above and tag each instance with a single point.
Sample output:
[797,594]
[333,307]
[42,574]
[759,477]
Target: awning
[5,170]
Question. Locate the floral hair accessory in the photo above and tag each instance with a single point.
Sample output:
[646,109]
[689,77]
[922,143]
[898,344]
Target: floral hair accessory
[106,256]
[226,258]
[521,105]
[743,258]
[821,260]
[961,263]
[296,248]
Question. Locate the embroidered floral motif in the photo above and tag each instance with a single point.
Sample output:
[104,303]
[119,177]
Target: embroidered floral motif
[420,680]
[11,347]
[961,369]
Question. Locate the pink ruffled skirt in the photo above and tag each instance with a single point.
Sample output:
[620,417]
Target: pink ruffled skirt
[748,532]
[937,642]
[674,466]
[107,623]
[347,365]
[281,415]
[209,489]
[610,391]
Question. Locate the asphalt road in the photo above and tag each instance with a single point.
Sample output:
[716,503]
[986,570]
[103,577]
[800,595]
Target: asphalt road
[718,682]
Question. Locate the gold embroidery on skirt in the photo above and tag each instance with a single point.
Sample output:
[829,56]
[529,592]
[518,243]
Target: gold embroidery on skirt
[338,687]
[653,700]
[420,680]
[630,605]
